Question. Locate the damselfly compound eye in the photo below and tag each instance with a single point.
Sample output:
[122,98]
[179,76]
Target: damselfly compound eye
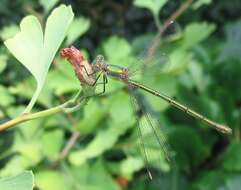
[100,59]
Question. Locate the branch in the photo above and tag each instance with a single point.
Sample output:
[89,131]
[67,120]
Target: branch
[67,107]
[71,142]
[166,24]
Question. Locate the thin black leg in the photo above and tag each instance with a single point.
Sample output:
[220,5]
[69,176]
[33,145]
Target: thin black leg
[97,78]
[88,74]
[105,81]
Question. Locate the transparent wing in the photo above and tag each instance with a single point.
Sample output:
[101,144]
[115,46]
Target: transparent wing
[153,142]
[152,51]
[149,66]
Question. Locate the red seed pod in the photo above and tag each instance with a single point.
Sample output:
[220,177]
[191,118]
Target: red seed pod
[81,67]
[73,55]
[122,181]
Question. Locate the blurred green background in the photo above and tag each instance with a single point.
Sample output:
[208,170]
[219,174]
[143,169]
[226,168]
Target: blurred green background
[202,49]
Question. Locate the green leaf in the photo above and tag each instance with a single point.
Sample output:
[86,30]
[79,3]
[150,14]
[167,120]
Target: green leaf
[3,62]
[14,166]
[231,48]
[43,48]
[233,183]
[209,180]
[48,4]
[51,180]
[178,62]
[121,47]
[6,98]
[8,32]
[195,33]
[31,150]
[98,174]
[20,90]
[103,141]
[23,181]
[153,5]
[78,27]
[93,175]
[64,74]
[131,165]
[27,153]
[116,103]
[118,123]
[200,3]
[93,114]
[189,148]
[51,143]
[197,75]
[232,157]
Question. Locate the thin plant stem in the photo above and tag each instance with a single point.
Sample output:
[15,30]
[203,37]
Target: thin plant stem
[162,29]
[67,107]
[27,117]
[71,142]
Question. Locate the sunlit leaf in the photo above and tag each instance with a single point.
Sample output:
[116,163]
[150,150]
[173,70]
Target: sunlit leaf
[195,33]
[197,75]
[48,4]
[103,141]
[100,175]
[118,123]
[8,32]
[200,3]
[51,143]
[42,47]
[78,27]
[92,176]
[93,114]
[6,98]
[23,181]
[50,180]
[14,166]
[62,79]
[20,90]
[131,165]
[153,5]
[121,47]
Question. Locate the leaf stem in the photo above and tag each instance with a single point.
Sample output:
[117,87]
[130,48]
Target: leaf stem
[67,107]
[26,117]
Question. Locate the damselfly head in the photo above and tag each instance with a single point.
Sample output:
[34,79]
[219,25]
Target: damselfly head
[99,63]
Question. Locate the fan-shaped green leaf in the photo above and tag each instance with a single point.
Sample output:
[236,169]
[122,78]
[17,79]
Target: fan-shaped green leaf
[35,50]
[23,181]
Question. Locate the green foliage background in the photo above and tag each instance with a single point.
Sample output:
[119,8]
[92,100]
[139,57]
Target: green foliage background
[203,49]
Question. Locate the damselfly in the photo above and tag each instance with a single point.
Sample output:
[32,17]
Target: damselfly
[101,68]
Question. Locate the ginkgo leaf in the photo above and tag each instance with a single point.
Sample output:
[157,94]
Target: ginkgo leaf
[23,181]
[36,50]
